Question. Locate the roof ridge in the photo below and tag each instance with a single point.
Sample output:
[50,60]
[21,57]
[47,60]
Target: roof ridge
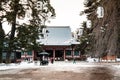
[58,27]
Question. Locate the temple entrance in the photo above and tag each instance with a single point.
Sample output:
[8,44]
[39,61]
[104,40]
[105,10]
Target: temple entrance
[50,53]
[59,55]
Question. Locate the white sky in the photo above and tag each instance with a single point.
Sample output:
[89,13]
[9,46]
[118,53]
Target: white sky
[67,13]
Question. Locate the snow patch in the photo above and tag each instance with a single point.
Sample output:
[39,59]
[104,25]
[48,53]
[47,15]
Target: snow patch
[89,59]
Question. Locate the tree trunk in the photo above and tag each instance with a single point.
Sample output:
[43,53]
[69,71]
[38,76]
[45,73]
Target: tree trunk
[11,41]
[1,41]
[106,30]
[16,2]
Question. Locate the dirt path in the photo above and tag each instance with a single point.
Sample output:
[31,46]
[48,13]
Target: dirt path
[46,73]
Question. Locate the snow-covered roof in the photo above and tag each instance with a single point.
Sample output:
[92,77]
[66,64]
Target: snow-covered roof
[58,35]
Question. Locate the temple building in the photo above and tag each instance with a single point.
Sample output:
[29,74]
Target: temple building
[59,43]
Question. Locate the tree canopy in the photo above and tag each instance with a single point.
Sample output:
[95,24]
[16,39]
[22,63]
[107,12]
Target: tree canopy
[32,14]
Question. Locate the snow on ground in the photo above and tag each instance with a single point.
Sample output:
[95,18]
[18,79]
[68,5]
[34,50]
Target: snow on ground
[58,65]
[118,59]
[22,65]
[89,59]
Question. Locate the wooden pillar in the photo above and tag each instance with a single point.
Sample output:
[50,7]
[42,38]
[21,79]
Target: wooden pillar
[79,54]
[72,53]
[33,54]
[64,54]
[54,54]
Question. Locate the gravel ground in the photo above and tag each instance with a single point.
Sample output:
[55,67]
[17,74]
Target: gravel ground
[85,71]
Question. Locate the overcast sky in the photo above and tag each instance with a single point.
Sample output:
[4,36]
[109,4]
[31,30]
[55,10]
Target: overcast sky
[67,13]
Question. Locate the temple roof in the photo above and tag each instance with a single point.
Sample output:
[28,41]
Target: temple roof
[58,35]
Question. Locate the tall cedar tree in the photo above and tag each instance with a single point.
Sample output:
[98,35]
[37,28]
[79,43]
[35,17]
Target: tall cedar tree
[17,10]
